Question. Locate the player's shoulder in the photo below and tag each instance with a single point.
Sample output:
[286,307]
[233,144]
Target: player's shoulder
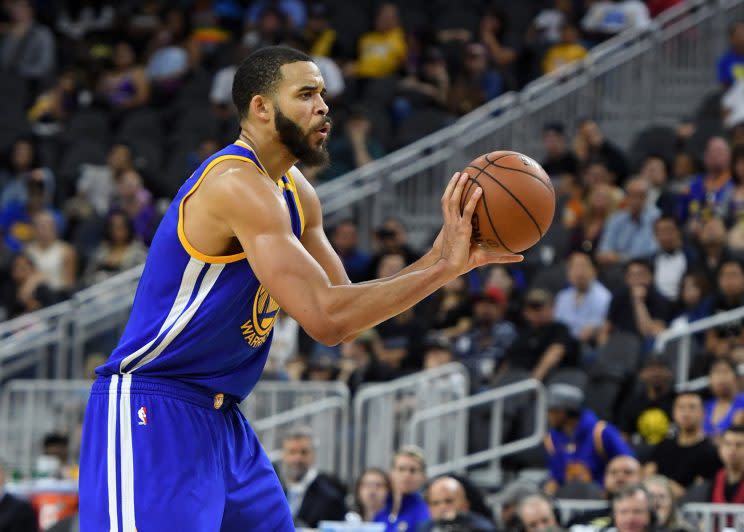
[305,189]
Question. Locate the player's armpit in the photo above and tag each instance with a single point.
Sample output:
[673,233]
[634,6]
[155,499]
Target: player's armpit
[313,237]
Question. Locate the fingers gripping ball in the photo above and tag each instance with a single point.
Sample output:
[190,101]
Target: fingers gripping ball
[518,200]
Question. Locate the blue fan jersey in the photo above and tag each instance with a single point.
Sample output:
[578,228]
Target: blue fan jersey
[199,319]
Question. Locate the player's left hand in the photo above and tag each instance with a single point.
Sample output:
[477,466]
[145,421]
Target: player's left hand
[481,255]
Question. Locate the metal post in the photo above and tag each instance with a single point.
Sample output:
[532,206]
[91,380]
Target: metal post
[683,364]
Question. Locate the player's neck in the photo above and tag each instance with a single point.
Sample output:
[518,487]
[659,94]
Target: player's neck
[272,156]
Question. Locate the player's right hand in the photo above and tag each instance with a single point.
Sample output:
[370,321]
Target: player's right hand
[457,251]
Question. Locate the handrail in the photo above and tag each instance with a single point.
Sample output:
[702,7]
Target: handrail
[377,390]
[685,333]
[497,450]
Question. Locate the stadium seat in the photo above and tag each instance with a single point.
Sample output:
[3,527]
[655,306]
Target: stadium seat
[654,140]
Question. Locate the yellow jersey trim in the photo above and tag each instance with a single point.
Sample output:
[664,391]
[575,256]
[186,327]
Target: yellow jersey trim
[293,188]
[191,250]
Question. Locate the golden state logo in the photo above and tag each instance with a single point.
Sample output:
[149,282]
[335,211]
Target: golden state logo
[257,328]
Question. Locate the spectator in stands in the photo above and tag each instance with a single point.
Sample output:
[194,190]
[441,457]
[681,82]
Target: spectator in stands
[655,170]
[16,218]
[559,159]
[476,84]
[543,345]
[537,514]
[312,496]
[220,95]
[383,50]
[728,484]
[353,148]
[694,301]
[319,33]
[28,48]
[578,445]
[549,20]
[568,50]
[672,259]
[363,352]
[370,492]
[56,259]
[391,238]
[125,85]
[425,86]
[345,242]
[668,515]
[28,290]
[583,305]
[731,62]
[450,508]
[23,161]
[590,144]
[437,351]
[655,7]
[728,399]
[590,224]
[709,192]
[730,295]
[270,29]
[136,201]
[646,414]
[714,251]
[16,515]
[50,111]
[294,10]
[96,184]
[405,508]
[484,346]
[633,510]
[451,309]
[629,233]
[688,457]
[621,471]
[606,18]
[57,447]
[493,35]
[637,308]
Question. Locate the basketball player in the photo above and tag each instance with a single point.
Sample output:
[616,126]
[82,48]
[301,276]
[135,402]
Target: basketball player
[164,444]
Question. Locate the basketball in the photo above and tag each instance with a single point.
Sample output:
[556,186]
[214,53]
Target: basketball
[518,200]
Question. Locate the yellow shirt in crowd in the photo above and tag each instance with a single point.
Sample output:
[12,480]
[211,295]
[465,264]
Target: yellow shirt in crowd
[562,54]
[381,54]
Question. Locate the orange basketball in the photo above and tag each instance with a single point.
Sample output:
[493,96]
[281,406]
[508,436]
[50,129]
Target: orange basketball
[518,200]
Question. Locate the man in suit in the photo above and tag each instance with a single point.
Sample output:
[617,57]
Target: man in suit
[312,496]
[16,515]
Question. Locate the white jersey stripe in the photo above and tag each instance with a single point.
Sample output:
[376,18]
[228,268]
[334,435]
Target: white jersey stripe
[188,282]
[127,456]
[210,279]
[111,455]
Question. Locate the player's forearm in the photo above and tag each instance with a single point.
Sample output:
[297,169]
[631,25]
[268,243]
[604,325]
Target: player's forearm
[424,262]
[354,308]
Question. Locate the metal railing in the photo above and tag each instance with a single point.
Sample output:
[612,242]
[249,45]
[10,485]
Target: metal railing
[329,420]
[31,408]
[634,80]
[384,410]
[447,450]
[683,335]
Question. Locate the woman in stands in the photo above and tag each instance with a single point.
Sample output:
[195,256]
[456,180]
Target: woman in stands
[119,251]
[125,86]
[668,516]
[728,399]
[370,492]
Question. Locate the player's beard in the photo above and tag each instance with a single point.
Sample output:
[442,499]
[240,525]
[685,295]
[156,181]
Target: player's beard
[298,142]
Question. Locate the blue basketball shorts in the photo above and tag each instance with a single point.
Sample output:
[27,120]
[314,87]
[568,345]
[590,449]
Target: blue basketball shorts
[158,455]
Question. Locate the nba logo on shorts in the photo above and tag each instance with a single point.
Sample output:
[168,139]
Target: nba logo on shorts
[142,415]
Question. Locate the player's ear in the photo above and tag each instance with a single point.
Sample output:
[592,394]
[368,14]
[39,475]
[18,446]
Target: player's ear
[261,108]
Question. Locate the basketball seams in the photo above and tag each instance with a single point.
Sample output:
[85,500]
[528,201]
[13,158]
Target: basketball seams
[515,198]
[547,185]
[485,206]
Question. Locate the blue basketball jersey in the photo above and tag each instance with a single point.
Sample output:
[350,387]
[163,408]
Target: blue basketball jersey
[199,319]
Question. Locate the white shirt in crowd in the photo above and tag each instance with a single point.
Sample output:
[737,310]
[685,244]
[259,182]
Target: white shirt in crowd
[611,17]
[668,271]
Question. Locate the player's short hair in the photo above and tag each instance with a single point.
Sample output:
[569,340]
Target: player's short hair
[260,72]
[412,451]
[300,432]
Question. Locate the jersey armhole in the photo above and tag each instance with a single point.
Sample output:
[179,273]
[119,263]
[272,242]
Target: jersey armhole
[190,249]
[293,188]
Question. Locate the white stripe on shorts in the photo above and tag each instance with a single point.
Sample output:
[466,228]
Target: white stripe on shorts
[127,456]
[111,454]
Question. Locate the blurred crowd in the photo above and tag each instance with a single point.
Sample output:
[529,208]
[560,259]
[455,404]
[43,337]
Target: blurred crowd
[108,106]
